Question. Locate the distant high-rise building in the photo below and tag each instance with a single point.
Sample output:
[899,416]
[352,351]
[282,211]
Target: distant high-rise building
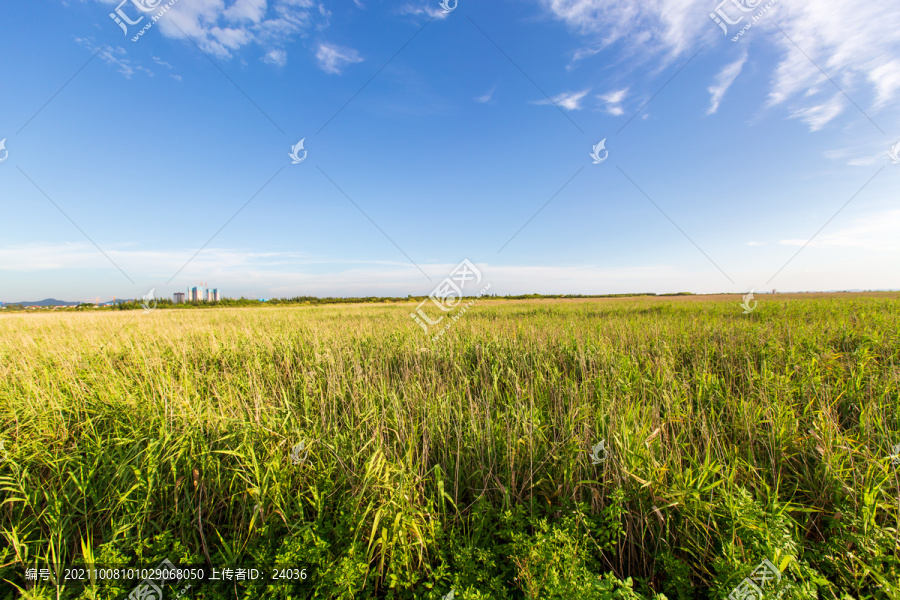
[215,295]
[179,298]
[193,295]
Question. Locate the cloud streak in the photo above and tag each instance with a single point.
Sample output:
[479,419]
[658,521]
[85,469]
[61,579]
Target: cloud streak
[487,97]
[855,43]
[723,81]
[333,59]
[612,102]
[566,100]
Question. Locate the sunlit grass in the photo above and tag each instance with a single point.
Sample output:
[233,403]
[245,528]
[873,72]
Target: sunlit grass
[462,464]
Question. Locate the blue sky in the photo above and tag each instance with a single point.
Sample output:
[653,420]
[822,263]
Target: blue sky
[434,137]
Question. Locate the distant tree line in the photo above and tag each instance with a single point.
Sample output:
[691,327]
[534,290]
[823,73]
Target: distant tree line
[316,301]
[165,303]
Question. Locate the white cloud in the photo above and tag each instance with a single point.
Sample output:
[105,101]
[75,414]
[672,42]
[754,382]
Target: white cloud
[429,10]
[877,231]
[284,274]
[583,53]
[115,57]
[567,100]
[866,161]
[859,155]
[246,10]
[821,114]
[487,97]
[723,81]
[886,80]
[332,59]
[668,25]
[845,39]
[613,102]
[223,28]
[276,57]
[281,274]
[856,43]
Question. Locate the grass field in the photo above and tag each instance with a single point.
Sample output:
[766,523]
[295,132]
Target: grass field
[343,441]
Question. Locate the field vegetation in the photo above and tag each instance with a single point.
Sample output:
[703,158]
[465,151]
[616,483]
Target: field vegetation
[343,441]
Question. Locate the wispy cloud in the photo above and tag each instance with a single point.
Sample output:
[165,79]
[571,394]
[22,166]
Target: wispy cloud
[276,57]
[612,102]
[115,56]
[285,274]
[859,155]
[856,43]
[429,10]
[252,11]
[819,115]
[723,81]
[223,28]
[236,271]
[487,97]
[583,53]
[332,59]
[567,100]
[671,26]
[877,231]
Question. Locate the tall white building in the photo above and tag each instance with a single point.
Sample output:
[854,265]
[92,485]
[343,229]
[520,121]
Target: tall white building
[197,294]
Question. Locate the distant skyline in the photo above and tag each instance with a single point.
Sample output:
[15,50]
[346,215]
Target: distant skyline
[116,299]
[433,136]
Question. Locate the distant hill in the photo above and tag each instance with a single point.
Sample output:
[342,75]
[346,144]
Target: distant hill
[46,302]
[55,302]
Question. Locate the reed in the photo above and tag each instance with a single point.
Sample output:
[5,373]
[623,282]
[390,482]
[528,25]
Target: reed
[341,440]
